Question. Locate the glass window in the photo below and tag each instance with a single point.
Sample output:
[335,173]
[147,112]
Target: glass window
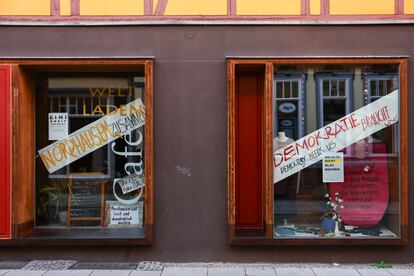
[341,178]
[90,139]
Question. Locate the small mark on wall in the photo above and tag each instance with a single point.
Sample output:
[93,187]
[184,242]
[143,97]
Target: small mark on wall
[185,171]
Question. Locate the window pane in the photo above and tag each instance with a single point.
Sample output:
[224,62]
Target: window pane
[381,88]
[390,86]
[341,87]
[286,86]
[326,88]
[279,89]
[334,88]
[374,88]
[295,89]
[333,110]
[98,142]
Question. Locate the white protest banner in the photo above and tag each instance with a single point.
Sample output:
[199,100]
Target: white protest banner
[94,136]
[335,136]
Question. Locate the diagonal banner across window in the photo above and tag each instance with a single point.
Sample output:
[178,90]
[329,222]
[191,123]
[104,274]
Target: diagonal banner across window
[335,136]
[93,136]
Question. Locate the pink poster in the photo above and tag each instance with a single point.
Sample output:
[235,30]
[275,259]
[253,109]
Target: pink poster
[365,191]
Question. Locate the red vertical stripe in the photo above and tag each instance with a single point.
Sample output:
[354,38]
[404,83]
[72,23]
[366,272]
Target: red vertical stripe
[305,7]
[148,7]
[75,7]
[249,150]
[161,5]
[55,7]
[231,7]
[325,9]
[5,151]
[399,6]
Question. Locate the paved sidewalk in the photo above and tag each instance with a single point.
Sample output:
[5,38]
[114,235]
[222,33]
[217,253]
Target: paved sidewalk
[208,269]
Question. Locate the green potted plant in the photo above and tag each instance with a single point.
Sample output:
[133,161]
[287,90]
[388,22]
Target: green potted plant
[57,194]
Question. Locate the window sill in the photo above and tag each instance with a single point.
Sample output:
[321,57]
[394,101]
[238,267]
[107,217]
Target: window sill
[83,236]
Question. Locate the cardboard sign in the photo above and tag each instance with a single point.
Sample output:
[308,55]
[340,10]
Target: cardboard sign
[131,183]
[365,191]
[333,167]
[335,136]
[93,136]
[123,215]
[58,126]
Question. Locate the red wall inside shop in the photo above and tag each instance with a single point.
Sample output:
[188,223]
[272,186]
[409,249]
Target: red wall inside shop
[249,150]
[4,151]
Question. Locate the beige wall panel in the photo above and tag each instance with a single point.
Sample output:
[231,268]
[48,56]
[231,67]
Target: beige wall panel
[315,7]
[199,7]
[351,7]
[409,6]
[24,7]
[268,7]
[65,7]
[112,7]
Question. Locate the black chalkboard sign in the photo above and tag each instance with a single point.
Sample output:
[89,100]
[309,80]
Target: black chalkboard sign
[86,198]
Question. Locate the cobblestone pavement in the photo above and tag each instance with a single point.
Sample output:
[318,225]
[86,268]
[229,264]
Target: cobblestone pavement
[149,268]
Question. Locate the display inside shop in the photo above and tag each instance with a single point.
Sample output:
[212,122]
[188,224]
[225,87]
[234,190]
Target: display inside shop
[336,151]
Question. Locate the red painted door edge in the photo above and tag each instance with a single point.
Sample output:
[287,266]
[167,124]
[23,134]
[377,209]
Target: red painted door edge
[248,129]
[5,157]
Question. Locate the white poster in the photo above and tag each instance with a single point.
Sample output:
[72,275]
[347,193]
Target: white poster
[123,215]
[333,167]
[58,126]
[94,136]
[335,136]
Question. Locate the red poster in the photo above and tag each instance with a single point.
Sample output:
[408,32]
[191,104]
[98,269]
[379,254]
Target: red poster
[365,191]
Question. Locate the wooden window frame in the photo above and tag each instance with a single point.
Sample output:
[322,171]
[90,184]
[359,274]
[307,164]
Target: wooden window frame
[269,64]
[22,149]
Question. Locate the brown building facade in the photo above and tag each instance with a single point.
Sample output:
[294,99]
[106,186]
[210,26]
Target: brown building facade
[215,99]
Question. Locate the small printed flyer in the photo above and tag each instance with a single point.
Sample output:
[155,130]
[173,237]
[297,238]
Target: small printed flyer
[333,167]
[58,126]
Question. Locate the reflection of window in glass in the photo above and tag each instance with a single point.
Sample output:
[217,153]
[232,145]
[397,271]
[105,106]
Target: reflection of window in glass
[377,86]
[380,85]
[334,98]
[289,105]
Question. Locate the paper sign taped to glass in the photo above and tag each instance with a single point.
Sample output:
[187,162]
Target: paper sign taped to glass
[131,183]
[335,136]
[127,118]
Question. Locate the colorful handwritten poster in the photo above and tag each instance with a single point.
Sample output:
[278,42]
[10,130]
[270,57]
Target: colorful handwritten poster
[335,136]
[94,136]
